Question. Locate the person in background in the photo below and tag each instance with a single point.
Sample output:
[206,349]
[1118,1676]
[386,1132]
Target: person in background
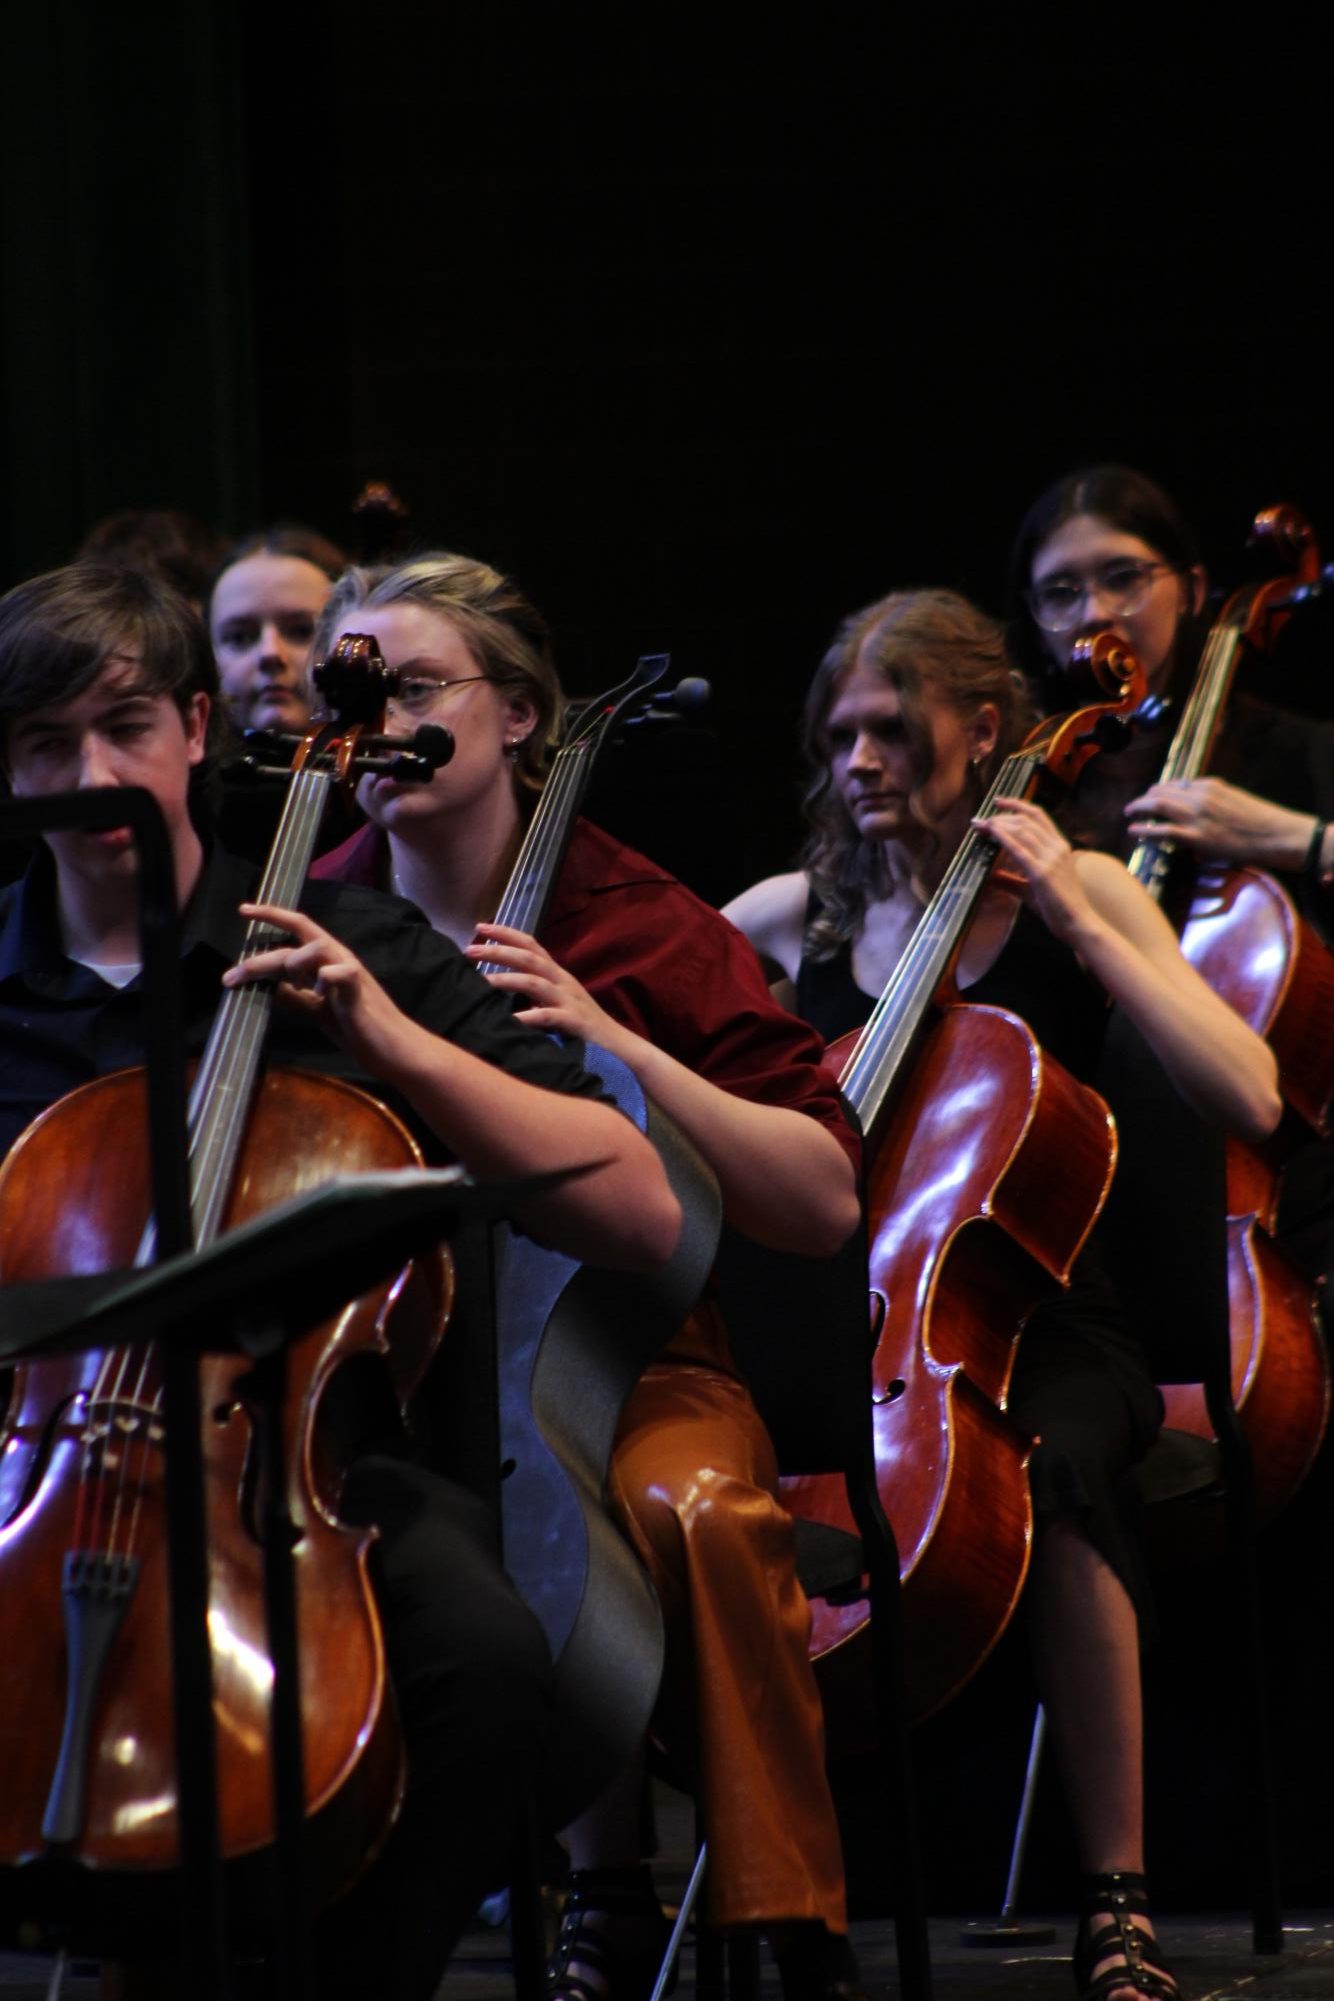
[262,611]
[162,542]
[1106,549]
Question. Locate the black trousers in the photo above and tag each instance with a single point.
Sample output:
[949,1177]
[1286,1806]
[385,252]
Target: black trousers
[472,1674]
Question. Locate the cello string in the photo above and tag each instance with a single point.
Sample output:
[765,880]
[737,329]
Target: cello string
[127,1416]
[894,1022]
[933,946]
[544,843]
[220,1128]
[511,904]
[542,846]
[219,1111]
[535,861]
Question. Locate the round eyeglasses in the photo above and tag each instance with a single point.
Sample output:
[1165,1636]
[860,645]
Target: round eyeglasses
[416,693]
[1122,585]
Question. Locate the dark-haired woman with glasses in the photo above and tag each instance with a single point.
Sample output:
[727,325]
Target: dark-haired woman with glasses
[1106,548]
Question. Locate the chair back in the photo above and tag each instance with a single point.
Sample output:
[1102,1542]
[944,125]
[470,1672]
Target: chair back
[1163,1234]
[800,1333]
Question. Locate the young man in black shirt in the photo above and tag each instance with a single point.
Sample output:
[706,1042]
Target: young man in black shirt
[106,680]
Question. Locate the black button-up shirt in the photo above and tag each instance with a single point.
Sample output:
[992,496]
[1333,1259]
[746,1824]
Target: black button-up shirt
[62,1024]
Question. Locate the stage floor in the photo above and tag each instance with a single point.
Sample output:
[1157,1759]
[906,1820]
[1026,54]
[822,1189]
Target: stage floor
[1211,1955]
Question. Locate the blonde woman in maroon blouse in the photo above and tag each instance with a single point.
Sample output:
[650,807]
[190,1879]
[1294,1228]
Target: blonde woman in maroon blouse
[630,959]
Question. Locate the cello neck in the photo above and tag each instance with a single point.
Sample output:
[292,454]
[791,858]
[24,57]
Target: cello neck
[1061,745]
[225,1081]
[533,877]
[903,1010]
[354,683]
[1196,733]
[1256,613]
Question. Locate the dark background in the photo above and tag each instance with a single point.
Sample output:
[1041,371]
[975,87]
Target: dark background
[712,328]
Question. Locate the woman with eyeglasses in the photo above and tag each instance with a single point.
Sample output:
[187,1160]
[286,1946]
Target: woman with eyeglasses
[909,716]
[1107,549]
[631,960]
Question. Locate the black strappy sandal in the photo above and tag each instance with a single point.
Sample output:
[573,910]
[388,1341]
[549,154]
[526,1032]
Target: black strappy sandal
[1117,1896]
[613,1934]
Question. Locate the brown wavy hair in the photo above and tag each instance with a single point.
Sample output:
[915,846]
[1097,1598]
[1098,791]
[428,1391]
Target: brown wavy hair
[916,641]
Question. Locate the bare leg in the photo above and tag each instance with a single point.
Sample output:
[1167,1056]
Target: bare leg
[1086,1652]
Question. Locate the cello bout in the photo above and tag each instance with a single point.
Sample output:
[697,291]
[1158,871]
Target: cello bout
[86,1742]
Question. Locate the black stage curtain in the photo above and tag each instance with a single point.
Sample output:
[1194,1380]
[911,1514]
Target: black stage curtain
[125,327]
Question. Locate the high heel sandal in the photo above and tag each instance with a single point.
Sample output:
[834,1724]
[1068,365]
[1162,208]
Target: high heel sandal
[613,1934]
[1118,1896]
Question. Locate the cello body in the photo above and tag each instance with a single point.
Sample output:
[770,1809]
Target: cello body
[573,1341]
[1246,939]
[83,1460]
[987,1165]
[980,1197]
[1241,931]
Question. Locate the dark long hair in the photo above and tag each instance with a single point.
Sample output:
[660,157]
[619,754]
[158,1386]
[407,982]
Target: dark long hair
[1126,500]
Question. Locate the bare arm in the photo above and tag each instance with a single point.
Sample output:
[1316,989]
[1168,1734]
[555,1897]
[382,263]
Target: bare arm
[1215,1060]
[785,1179]
[772,914]
[620,1213]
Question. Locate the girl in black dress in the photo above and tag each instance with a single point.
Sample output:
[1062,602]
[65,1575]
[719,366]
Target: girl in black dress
[910,713]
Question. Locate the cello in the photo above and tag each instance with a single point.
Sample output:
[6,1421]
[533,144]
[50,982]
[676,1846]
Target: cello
[90,1805]
[987,1168]
[572,1344]
[1242,932]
